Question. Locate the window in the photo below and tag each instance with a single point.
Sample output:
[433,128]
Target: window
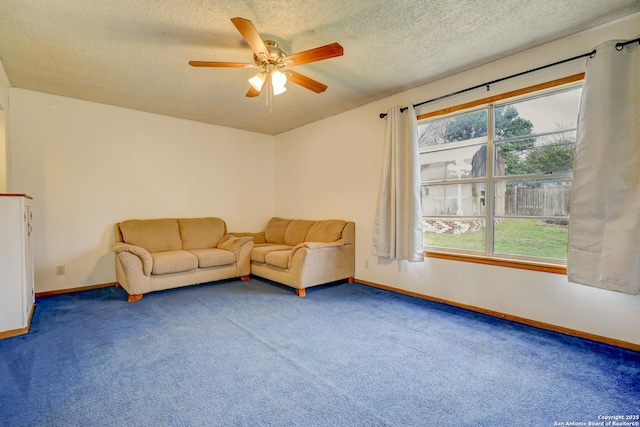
[513,203]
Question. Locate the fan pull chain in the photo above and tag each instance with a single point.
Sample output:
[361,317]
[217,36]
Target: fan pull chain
[269,97]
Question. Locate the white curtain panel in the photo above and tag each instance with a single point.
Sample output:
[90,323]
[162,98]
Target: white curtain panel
[397,231]
[604,229]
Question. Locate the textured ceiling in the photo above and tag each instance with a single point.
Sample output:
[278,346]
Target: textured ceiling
[134,54]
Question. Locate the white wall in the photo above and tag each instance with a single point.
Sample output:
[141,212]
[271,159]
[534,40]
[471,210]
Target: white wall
[3,151]
[4,106]
[331,168]
[89,166]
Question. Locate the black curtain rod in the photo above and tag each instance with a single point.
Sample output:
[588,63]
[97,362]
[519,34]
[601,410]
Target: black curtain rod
[619,46]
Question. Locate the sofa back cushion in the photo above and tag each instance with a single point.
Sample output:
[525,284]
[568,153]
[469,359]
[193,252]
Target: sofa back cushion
[201,233]
[326,231]
[155,235]
[297,231]
[275,230]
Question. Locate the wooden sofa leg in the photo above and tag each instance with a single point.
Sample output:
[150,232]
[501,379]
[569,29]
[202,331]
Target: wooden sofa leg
[134,297]
[301,292]
[118,285]
[245,278]
[351,280]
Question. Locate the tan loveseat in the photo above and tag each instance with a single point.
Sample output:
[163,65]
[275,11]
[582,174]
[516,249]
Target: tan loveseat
[301,253]
[157,254]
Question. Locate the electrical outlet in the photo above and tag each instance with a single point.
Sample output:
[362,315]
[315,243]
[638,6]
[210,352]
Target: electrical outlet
[60,270]
[366,263]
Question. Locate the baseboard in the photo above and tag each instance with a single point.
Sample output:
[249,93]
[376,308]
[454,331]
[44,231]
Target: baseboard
[535,323]
[70,290]
[13,333]
[19,331]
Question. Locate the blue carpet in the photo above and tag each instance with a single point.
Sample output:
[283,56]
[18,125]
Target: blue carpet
[254,354]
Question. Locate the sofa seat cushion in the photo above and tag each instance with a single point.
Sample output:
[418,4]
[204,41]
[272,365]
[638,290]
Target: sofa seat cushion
[259,251]
[278,259]
[173,262]
[213,257]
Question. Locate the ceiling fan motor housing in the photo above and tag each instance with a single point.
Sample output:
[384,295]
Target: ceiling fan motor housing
[277,56]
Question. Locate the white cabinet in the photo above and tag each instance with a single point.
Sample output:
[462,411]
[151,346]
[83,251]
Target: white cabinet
[16,265]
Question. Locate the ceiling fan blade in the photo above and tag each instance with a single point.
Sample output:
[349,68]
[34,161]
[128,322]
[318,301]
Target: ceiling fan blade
[319,53]
[305,82]
[251,36]
[252,92]
[220,64]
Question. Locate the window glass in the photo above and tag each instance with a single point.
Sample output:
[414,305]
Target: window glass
[539,238]
[450,130]
[465,234]
[538,115]
[532,145]
[543,154]
[454,199]
[536,197]
[457,163]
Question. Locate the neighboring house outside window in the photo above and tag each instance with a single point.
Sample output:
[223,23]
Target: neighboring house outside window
[513,204]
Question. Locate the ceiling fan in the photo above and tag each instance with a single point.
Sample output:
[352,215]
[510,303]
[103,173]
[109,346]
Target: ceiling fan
[272,61]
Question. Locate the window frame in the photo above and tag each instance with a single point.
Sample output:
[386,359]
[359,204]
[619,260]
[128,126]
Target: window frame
[511,261]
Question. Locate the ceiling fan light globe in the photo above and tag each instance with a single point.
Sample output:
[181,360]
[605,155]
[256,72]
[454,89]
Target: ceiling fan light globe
[257,81]
[277,90]
[278,78]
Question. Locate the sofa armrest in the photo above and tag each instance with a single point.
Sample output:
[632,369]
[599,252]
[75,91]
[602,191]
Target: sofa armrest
[257,237]
[241,248]
[233,243]
[140,252]
[314,263]
[313,246]
[321,245]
